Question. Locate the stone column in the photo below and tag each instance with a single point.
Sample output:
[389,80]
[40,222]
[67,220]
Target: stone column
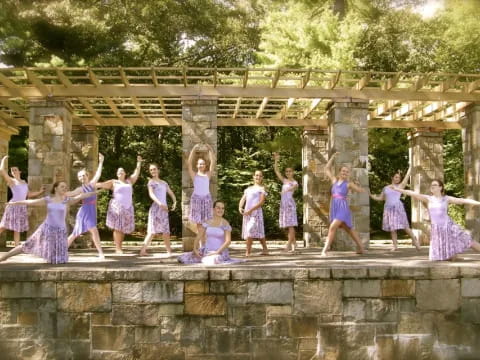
[5,133]
[49,149]
[84,155]
[348,133]
[199,115]
[471,158]
[316,186]
[426,160]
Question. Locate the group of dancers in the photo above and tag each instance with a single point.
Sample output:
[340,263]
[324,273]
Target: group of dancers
[50,240]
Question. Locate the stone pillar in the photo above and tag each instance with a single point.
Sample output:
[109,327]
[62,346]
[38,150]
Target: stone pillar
[426,160]
[348,134]
[49,149]
[84,155]
[199,115]
[316,186]
[471,158]
[5,133]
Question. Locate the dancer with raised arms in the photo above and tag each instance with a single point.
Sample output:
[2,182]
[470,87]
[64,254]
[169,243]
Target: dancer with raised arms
[86,219]
[394,215]
[447,239]
[15,218]
[252,224]
[120,215]
[201,200]
[158,214]
[215,234]
[49,240]
[340,214]
[288,210]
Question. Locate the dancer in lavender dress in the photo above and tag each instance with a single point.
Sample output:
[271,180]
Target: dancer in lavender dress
[288,209]
[201,200]
[216,235]
[447,239]
[86,219]
[394,215]
[252,225]
[49,241]
[340,214]
[15,218]
[158,213]
[120,216]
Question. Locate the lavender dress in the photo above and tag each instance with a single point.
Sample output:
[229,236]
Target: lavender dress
[288,209]
[252,225]
[215,239]
[120,209]
[201,200]
[446,238]
[394,215]
[87,214]
[339,209]
[15,217]
[158,217]
[49,241]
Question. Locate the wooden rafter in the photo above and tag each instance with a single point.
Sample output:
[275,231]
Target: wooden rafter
[37,82]
[262,107]
[313,105]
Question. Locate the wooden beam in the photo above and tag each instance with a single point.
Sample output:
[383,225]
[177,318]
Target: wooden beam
[392,82]
[472,86]
[237,107]
[162,104]
[123,76]
[283,113]
[262,107]
[271,122]
[138,107]
[131,121]
[15,107]
[404,124]
[11,87]
[313,105]
[37,83]
[363,82]
[275,78]
[334,80]
[420,82]
[306,79]
[154,77]
[245,78]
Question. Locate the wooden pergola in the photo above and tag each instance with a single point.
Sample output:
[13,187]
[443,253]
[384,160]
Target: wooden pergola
[125,96]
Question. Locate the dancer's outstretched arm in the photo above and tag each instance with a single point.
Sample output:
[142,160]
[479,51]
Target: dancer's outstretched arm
[134,177]
[213,160]
[4,172]
[406,179]
[328,168]
[27,202]
[172,196]
[98,173]
[413,194]
[463,201]
[190,160]
[77,198]
[379,197]
[276,157]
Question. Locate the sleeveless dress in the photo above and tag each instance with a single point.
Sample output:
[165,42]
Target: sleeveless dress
[252,225]
[288,209]
[201,201]
[446,238]
[394,215]
[339,209]
[158,217]
[15,217]
[215,238]
[87,214]
[120,215]
[49,241]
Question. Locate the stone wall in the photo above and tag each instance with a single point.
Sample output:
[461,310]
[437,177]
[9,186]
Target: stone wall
[316,313]
[316,186]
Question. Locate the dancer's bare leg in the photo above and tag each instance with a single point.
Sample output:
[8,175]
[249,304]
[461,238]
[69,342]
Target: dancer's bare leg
[118,240]
[393,234]
[248,251]
[354,235]
[475,246]
[146,244]
[96,241]
[16,238]
[415,241]
[291,245]
[71,239]
[15,251]
[264,246]
[332,230]
[166,242]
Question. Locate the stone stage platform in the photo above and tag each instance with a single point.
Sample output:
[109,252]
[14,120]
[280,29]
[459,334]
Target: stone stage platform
[382,305]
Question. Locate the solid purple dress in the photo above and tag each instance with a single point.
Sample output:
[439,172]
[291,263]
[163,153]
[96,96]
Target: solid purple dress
[446,238]
[339,209]
[87,214]
[49,241]
[394,215]
[215,239]
[15,217]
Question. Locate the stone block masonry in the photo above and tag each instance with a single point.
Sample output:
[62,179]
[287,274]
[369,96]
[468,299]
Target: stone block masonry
[302,313]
